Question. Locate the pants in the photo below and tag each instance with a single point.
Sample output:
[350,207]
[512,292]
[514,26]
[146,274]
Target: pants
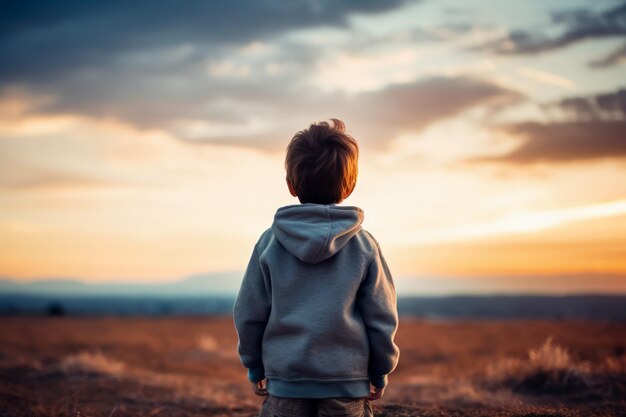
[309,407]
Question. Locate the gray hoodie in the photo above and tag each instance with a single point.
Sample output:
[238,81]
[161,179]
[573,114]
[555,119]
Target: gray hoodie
[316,312]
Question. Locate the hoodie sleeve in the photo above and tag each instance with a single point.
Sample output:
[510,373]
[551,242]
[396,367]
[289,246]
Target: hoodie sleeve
[378,306]
[251,313]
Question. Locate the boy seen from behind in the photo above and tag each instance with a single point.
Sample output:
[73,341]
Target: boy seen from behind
[316,313]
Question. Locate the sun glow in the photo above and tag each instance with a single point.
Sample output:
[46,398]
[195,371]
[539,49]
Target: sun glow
[520,222]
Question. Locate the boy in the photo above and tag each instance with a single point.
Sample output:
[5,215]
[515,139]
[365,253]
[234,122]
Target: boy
[316,312]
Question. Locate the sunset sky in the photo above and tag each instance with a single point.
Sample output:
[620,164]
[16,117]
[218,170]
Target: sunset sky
[145,142]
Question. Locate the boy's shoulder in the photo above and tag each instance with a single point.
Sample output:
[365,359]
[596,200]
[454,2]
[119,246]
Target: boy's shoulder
[265,239]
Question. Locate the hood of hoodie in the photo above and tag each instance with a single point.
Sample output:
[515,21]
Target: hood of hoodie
[315,232]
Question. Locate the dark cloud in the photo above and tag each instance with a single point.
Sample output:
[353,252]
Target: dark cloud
[566,142]
[615,57]
[411,107]
[575,25]
[42,39]
[608,106]
[597,131]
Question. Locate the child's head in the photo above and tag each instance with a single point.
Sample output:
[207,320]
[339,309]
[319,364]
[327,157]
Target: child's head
[322,163]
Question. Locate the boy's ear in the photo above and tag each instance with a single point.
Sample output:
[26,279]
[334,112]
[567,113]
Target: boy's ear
[291,190]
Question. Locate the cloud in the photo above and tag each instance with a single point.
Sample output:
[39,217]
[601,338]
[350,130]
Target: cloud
[566,142]
[411,107]
[616,57]
[594,130]
[46,39]
[149,92]
[599,107]
[576,25]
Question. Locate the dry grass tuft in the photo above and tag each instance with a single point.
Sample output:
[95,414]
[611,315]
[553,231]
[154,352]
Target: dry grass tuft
[550,369]
[93,362]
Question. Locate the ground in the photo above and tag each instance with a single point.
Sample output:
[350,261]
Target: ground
[188,366]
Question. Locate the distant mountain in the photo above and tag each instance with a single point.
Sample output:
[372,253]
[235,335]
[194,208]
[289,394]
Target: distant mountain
[204,294]
[471,307]
[196,285]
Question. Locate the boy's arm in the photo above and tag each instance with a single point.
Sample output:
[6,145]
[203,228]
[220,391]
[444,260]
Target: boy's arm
[378,306]
[251,313]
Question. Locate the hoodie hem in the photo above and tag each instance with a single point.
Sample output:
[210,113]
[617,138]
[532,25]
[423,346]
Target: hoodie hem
[317,389]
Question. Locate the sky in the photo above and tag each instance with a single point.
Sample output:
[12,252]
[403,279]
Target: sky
[145,141]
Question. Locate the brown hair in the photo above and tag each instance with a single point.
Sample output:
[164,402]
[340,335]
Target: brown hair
[321,163]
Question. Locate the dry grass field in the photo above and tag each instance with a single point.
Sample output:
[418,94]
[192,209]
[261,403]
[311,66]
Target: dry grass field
[188,366]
